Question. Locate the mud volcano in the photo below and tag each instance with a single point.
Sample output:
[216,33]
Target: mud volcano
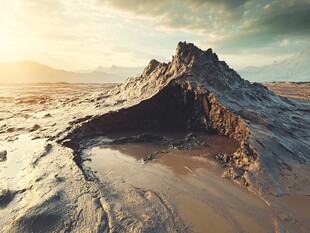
[172,103]
[180,95]
[196,92]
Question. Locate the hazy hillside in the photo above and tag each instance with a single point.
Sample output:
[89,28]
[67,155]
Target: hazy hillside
[122,72]
[296,68]
[30,72]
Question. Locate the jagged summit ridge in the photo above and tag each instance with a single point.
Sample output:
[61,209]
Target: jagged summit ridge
[191,57]
[187,52]
[151,67]
[189,64]
[187,55]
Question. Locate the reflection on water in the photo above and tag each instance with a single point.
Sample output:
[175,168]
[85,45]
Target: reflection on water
[18,155]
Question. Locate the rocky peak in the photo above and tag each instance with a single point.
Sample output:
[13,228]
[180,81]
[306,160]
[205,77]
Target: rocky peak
[204,68]
[189,53]
[190,64]
[151,67]
[184,49]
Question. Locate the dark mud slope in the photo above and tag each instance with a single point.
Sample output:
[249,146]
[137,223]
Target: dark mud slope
[196,91]
[176,107]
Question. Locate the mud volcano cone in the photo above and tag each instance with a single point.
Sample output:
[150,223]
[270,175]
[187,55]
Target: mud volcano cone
[198,92]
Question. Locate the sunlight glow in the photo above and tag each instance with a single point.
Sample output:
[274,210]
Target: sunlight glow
[78,35]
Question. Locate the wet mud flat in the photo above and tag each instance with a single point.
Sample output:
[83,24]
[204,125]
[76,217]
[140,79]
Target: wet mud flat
[171,182]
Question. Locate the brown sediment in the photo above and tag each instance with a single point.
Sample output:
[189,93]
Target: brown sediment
[247,222]
[189,183]
[183,158]
[298,203]
[201,217]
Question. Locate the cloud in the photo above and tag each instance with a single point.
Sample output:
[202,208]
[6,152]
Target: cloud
[229,24]
[189,15]
[131,32]
[283,17]
[150,7]
[136,54]
[285,42]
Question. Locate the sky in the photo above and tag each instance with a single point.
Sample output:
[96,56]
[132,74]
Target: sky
[83,34]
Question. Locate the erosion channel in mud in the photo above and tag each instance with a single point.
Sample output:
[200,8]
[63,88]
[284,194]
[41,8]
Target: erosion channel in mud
[161,179]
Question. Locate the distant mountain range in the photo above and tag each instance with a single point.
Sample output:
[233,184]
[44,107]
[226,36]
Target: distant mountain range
[296,68]
[32,72]
[120,71]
